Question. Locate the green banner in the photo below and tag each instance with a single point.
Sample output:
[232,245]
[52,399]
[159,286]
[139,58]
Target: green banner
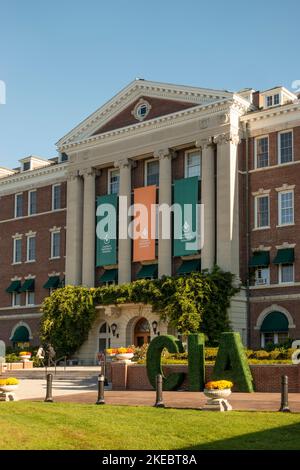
[106,229]
[185,216]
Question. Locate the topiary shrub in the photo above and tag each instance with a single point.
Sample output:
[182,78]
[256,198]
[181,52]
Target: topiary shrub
[196,367]
[231,362]
[153,361]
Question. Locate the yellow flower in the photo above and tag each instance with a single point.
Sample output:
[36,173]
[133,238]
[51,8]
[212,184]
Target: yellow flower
[218,385]
[9,381]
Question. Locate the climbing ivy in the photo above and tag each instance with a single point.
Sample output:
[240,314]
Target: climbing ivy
[192,304]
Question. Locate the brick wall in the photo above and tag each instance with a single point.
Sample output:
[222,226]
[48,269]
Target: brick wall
[266,378]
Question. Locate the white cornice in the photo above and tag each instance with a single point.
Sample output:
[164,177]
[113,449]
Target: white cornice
[237,104]
[271,112]
[33,179]
[133,91]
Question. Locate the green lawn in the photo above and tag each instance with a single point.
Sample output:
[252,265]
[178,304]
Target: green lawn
[33,425]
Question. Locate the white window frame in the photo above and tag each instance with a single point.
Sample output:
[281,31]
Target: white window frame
[287,131]
[273,99]
[280,275]
[27,298]
[14,250]
[54,232]
[255,150]
[27,249]
[29,197]
[110,171]
[146,170]
[186,155]
[256,213]
[13,299]
[53,190]
[15,212]
[275,338]
[266,268]
[279,208]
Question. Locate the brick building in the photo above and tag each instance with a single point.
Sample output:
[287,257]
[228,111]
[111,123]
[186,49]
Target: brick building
[239,150]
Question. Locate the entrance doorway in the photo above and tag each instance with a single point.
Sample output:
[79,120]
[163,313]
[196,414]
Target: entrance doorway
[104,337]
[142,332]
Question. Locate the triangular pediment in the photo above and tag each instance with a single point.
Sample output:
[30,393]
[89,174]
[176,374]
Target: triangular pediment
[122,110]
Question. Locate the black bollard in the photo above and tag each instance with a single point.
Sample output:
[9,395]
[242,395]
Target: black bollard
[49,398]
[100,399]
[284,394]
[159,398]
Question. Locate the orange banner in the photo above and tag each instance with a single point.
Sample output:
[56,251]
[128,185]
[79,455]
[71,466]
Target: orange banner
[144,224]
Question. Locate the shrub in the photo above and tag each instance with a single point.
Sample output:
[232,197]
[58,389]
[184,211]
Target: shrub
[12,357]
[260,354]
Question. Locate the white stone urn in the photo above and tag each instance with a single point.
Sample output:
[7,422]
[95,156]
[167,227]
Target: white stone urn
[217,400]
[8,388]
[124,356]
[25,357]
[217,394]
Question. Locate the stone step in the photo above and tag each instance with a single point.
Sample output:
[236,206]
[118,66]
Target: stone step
[39,374]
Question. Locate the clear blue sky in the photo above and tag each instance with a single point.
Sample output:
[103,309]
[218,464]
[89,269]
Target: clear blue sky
[62,59]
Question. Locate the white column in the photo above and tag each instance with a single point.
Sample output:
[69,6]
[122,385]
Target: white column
[165,197]
[74,229]
[124,251]
[227,203]
[208,201]
[89,227]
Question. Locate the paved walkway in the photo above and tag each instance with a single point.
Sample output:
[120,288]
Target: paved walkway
[239,401]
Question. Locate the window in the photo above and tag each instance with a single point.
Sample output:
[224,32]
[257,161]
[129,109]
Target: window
[17,254]
[152,173]
[15,299]
[286,207]
[31,248]
[113,181]
[30,298]
[55,244]
[286,273]
[262,152]
[262,211]
[285,145]
[26,166]
[64,157]
[274,338]
[19,205]
[262,276]
[276,99]
[32,202]
[56,197]
[272,100]
[192,164]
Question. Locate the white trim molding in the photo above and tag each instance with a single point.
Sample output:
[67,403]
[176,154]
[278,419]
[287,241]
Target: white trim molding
[270,309]
[21,323]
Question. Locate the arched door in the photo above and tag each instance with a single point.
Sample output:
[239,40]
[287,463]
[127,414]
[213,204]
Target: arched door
[142,332]
[104,337]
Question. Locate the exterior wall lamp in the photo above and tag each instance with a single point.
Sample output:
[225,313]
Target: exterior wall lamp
[114,328]
[154,326]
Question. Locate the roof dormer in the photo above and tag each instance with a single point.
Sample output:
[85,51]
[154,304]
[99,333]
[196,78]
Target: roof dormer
[32,162]
[277,96]
[6,172]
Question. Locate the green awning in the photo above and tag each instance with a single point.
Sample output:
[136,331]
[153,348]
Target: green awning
[52,283]
[147,271]
[109,275]
[21,335]
[259,258]
[28,286]
[284,256]
[275,321]
[189,266]
[14,287]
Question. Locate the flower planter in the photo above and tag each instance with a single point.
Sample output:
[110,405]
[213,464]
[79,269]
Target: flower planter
[217,394]
[25,358]
[124,357]
[8,388]
[217,400]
